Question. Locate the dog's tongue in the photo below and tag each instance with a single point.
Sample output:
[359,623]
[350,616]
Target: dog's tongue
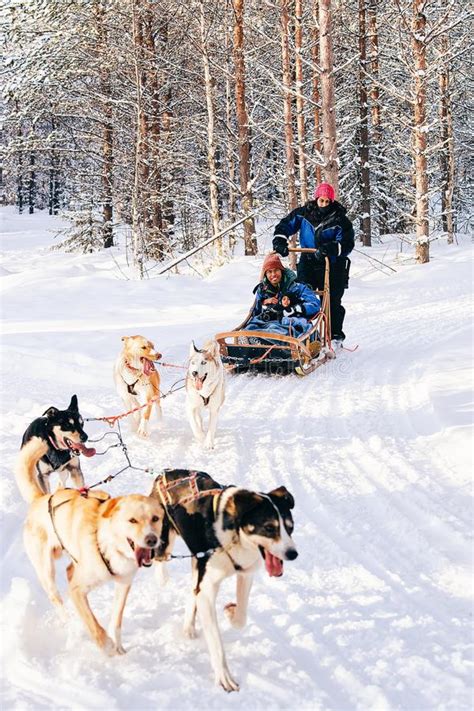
[198,383]
[143,556]
[148,366]
[86,451]
[273,565]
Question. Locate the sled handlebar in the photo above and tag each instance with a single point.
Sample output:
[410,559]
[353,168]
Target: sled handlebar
[302,249]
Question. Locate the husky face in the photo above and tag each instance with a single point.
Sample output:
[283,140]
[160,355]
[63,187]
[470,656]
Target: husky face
[65,427]
[266,522]
[203,363]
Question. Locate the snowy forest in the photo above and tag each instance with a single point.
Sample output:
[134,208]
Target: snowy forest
[179,120]
[139,135]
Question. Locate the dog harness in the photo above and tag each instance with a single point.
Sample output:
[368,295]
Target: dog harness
[169,502]
[51,511]
[131,386]
[165,488]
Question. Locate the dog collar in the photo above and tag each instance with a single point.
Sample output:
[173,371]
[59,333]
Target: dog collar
[131,367]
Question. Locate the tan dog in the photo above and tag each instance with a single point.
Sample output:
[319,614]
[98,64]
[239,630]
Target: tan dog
[137,380]
[107,539]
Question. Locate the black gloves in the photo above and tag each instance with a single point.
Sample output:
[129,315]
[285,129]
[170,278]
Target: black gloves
[330,249]
[272,313]
[280,245]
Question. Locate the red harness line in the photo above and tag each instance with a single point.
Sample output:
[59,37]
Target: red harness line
[351,350]
[112,419]
[171,365]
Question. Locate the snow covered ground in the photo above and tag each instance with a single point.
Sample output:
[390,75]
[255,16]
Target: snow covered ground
[376,612]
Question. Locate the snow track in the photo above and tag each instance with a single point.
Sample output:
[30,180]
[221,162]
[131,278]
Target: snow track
[376,611]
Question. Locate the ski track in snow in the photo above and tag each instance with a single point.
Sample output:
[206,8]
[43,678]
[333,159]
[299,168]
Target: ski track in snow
[376,611]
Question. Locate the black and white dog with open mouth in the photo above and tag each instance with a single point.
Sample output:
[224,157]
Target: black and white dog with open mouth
[63,431]
[229,531]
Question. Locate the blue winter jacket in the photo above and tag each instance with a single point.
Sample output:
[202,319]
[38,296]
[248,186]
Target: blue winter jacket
[317,226]
[302,293]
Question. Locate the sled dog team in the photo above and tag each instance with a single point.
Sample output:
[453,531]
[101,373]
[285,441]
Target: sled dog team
[229,530]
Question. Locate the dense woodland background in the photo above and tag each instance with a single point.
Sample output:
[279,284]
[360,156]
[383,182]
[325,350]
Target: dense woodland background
[179,119]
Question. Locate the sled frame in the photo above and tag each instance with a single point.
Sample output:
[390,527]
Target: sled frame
[301,355]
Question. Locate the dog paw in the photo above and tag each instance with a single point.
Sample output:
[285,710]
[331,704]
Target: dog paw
[230,611]
[189,631]
[225,680]
[208,444]
[109,647]
[62,614]
[143,433]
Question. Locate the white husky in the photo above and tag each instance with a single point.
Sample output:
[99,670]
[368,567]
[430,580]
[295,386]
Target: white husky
[204,390]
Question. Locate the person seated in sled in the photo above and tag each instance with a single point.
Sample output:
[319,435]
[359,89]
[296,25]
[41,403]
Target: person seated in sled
[282,305]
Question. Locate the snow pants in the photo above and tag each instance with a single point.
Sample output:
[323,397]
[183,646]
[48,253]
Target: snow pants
[311,271]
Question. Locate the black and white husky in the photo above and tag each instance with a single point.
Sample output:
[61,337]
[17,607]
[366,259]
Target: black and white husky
[229,531]
[62,431]
[205,390]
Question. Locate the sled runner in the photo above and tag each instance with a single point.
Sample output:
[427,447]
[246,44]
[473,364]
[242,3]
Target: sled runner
[263,351]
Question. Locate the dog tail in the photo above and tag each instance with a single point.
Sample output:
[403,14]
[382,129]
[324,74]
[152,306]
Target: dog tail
[25,468]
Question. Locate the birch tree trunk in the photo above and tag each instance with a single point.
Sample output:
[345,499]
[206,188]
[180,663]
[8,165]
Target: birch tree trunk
[316,93]
[447,151]
[243,128]
[419,131]
[99,10]
[138,226]
[54,200]
[153,121]
[375,110]
[292,200]
[303,172]
[231,206]
[32,185]
[211,146]
[331,168]
[166,133]
[107,177]
[19,186]
[365,218]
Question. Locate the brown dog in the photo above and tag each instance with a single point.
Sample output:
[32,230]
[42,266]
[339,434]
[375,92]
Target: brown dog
[107,539]
[137,380]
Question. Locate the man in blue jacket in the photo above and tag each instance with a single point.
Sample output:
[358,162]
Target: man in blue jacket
[324,226]
[277,290]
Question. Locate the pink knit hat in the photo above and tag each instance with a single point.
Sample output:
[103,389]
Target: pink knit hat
[325,190]
[271,261]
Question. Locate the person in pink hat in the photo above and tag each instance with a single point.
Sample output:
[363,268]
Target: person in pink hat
[323,225]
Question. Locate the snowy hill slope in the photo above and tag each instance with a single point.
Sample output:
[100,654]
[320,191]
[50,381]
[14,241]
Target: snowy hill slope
[376,611]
